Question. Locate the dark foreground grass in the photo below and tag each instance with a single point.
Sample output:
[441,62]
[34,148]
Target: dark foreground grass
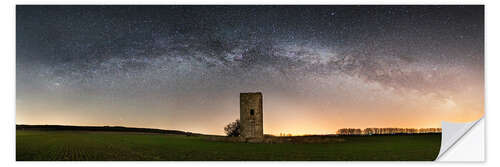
[81,145]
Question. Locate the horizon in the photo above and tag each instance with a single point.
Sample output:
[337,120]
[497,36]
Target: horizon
[280,134]
[320,68]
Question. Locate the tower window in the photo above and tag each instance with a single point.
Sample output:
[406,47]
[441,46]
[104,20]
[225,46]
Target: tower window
[252,112]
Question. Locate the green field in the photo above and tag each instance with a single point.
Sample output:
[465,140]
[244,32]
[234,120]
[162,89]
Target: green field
[81,145]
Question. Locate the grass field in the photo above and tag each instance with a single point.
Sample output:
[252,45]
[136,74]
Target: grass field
[82,145]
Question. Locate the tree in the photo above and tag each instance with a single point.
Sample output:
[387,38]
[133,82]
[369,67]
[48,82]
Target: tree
[233,128]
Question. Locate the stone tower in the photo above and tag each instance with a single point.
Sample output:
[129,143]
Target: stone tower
[251,115]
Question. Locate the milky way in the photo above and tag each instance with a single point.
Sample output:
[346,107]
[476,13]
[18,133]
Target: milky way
[182,67]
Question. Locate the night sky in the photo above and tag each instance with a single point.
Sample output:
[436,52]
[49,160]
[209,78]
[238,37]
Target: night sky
[182,67]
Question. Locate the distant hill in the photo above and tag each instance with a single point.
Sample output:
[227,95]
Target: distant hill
[101,128]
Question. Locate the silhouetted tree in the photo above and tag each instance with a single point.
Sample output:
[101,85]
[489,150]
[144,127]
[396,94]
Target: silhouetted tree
[233,128]
[370,131]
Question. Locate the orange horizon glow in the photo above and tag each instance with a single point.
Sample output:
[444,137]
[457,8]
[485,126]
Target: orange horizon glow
[272,125]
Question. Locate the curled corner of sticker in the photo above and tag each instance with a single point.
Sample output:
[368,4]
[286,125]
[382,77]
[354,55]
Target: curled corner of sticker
[452,133]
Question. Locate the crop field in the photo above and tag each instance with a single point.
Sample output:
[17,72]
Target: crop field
[37,145]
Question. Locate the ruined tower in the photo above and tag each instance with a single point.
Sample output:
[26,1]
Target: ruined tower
[251,115]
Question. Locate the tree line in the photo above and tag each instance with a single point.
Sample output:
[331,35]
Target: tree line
[370,131]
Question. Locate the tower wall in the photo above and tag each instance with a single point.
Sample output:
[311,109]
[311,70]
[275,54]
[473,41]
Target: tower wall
[251,115]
